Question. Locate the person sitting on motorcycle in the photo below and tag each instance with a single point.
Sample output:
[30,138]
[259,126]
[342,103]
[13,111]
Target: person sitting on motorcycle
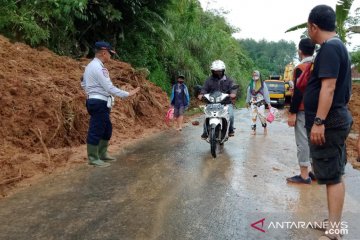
[257,97]
[218,81]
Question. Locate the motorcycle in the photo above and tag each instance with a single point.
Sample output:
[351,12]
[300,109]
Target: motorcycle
[217,118]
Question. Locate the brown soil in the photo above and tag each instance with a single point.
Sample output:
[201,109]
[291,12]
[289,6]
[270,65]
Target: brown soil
[352,140]
[43,116]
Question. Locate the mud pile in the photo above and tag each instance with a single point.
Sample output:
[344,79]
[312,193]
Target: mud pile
[355,106]
[43,114]
[355,111]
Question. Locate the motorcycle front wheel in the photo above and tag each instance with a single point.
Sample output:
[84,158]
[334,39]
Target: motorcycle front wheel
[213,142]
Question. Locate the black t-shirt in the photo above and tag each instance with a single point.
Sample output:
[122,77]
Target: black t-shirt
[332,61]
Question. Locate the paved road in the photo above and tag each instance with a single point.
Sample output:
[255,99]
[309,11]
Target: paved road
[170,187]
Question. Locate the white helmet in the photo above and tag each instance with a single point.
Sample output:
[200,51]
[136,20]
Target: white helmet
[217,65]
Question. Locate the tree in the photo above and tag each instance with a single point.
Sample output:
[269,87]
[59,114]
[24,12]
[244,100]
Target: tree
[41,22]
[270,58]
[342,10]
[167,37]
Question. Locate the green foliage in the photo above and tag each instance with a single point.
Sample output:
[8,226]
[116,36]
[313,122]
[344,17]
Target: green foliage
[167,37]
[300,26]
[200,38]
[193,111]
[342,13]
[41,22]
[181,38]
[159,77]
[355,59]
[270,58]
[344,22]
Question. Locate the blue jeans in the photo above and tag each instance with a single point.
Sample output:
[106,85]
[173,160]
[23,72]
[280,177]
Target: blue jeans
[100,126]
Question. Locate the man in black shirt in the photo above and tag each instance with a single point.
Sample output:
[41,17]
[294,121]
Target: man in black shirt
[327,117]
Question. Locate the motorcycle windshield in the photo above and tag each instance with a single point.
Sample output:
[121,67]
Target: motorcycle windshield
[215,94]
[216,97]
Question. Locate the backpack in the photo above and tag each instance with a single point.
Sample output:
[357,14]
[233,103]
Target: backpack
[304,77]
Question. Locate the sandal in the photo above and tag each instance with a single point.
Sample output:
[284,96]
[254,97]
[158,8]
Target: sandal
[298,179]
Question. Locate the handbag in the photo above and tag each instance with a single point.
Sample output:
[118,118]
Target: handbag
[169,115]
[271,115]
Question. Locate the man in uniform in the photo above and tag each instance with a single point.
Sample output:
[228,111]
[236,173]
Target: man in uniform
[100,91]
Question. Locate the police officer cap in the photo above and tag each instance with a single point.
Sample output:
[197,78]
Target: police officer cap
[104,46]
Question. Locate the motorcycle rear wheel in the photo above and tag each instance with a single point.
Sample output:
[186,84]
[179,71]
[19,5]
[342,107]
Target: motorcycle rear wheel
[213,142]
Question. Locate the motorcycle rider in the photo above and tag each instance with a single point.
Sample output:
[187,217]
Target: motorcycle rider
[218,81]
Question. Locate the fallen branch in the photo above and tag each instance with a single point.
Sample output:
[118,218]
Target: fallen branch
[57,129]
[10,180]
[39,136]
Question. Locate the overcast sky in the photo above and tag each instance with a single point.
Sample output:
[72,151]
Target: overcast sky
[269,19]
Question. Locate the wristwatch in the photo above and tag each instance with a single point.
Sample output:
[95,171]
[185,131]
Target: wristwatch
[318,121]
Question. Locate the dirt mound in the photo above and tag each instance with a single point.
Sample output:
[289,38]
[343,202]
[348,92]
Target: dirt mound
[355,111]
[355,106]
[43,112]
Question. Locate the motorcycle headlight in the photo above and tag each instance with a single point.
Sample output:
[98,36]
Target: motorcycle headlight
[207,110]
[218,99]
[211,99]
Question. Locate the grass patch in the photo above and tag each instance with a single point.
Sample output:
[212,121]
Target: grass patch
[193,111]
[240,103]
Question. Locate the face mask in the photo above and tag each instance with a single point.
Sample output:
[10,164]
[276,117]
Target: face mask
[256,78]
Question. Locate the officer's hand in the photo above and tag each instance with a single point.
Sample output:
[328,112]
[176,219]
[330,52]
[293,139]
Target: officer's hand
[200,96]
[232,95]
[134,91]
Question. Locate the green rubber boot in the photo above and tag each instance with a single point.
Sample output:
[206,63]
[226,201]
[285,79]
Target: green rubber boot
[103,153]
[93,156]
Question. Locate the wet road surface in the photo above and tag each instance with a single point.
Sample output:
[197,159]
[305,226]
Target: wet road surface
[170,187]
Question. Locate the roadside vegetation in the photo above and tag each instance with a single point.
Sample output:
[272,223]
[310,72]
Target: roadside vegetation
[164,38]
